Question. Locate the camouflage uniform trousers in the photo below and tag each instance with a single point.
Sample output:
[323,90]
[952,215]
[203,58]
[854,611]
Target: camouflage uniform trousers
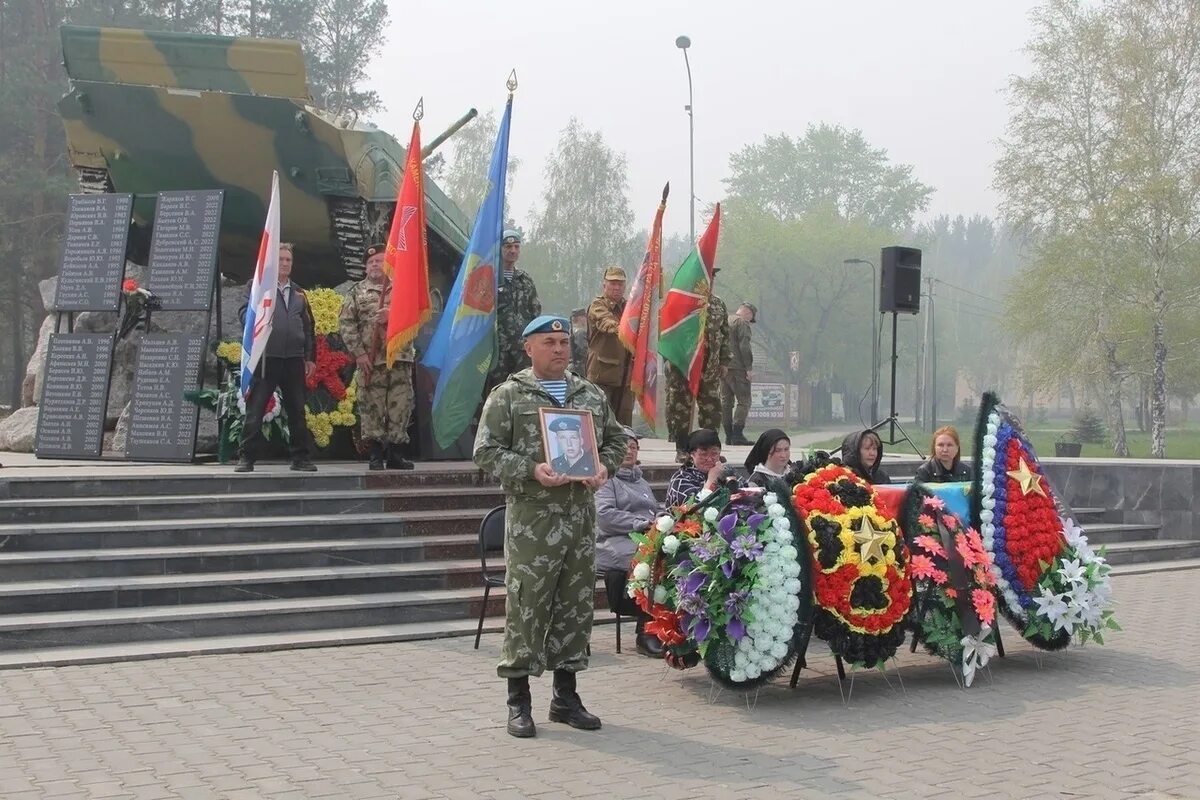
[550,574]
[385,406]
[735,386]
[680,404]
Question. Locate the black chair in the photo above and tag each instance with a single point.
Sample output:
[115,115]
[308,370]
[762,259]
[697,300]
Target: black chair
[612,592]
[491,540]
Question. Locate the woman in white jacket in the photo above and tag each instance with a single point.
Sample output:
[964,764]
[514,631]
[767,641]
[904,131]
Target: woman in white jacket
[625,504]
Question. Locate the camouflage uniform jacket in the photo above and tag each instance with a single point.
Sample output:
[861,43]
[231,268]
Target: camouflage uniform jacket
[508,443]
[716,338]
[516,306]
[358,324]
[739,344]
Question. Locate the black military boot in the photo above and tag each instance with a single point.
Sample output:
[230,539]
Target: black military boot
[245,464]
[376,454]
[727,426]
[396,459]
[566,705]
[647,643]
[739,435]
[520,709]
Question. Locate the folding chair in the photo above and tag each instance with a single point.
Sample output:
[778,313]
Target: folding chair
[491,540]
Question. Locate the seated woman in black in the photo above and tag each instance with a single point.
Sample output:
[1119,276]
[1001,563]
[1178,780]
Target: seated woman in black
[704,468]
[944,464]
[769,458]
[862,452]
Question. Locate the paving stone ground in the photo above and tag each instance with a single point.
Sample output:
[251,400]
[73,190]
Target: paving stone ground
[425,720]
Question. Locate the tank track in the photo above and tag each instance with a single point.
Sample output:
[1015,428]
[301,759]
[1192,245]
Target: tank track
[356,224]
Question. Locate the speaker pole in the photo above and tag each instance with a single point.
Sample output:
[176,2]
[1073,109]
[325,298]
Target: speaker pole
[892,408]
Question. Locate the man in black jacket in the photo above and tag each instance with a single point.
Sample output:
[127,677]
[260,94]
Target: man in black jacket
[287,362]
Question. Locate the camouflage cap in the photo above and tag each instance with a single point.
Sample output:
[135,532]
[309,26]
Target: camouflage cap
[753,311]
[614,274]
[374,250]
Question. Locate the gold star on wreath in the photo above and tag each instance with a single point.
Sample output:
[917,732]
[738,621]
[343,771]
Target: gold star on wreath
[1030,481]
[869,540]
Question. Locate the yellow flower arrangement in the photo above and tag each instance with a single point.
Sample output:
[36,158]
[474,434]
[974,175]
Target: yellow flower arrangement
[326,305]
[321,425]
[230,351]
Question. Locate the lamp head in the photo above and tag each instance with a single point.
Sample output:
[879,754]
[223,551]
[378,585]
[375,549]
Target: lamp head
[683,42]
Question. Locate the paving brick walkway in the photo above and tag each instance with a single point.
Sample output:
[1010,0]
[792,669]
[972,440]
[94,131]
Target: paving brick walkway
[426,719]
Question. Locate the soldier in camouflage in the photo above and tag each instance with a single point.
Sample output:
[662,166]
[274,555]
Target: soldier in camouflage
[708,401]
[516,304]
[735,386]
[385,396]
[549,525]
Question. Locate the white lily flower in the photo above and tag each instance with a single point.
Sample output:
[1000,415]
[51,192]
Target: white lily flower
[976,654]
[1072,572]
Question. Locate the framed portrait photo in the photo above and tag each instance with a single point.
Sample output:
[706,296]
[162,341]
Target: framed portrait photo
[569,440]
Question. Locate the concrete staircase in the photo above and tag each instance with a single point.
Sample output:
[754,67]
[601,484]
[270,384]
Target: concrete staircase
[121,567]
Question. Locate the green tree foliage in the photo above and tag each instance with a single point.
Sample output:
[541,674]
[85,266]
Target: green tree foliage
[464,177]
[797,209]
[585,222]
[1101,151]
[827,167]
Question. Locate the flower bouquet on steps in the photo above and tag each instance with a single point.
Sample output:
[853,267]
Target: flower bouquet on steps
[954,614]
[722,580]
[860,564]
[1052,585]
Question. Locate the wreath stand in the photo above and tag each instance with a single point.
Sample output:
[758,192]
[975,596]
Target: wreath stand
[846,693]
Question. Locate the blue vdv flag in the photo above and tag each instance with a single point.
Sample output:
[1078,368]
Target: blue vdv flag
[464,343]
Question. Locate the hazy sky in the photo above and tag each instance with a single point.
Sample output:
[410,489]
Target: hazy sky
[922,80]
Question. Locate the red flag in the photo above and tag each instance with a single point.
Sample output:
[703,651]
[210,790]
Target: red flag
[684,316]
[637,330]
[406,261]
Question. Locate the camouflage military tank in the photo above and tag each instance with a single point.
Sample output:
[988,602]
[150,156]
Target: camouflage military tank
[152,111]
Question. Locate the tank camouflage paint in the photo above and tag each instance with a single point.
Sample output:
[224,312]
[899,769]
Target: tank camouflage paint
[152,111]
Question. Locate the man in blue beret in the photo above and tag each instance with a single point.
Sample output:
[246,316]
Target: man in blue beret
[517,304]
[549,524]
[573,457]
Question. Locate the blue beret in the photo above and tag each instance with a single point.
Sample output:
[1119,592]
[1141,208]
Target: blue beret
[509,236]
[547,323]
[565,424]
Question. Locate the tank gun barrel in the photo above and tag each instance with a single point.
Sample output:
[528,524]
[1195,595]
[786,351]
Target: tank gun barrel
[428,149]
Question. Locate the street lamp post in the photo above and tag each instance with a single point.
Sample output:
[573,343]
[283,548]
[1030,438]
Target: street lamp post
[874,342]
[683,43]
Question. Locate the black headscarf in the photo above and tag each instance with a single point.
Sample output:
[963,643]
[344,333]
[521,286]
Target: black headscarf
[871,473]
[763,447]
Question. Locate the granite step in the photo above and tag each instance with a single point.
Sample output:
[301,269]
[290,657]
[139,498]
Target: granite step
[50,536]
[1149,567]
[75,594]
[1154,550]
[197,507]
[114,626]
[259,642]
[268,478]
[1107,533]
[191,559]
